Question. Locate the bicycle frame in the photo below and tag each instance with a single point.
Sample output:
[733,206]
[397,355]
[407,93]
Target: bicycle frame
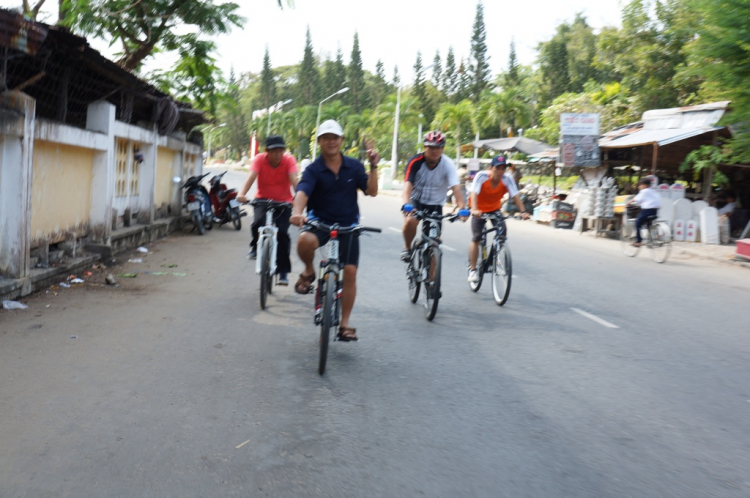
[497,241]
[269,230]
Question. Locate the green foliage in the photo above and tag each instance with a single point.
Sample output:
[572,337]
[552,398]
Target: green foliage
[719,56]
[143,27]
[267,83]
[707,158]
[356,78]
[479,66]
[308,79]
[450,75]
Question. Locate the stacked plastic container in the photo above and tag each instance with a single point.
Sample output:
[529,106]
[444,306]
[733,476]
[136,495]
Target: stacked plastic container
[604,198]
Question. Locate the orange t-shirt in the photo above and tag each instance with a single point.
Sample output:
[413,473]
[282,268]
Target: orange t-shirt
[490,198]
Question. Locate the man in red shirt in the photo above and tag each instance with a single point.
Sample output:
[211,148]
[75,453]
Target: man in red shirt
[276,173]
[486,195]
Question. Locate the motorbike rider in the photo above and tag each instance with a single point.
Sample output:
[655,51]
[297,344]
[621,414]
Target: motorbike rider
[429,174]
[276,173]
[486,194]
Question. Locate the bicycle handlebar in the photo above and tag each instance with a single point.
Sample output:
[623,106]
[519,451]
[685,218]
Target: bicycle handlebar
[495,215]
[328,228]
[269,203]
[420,215]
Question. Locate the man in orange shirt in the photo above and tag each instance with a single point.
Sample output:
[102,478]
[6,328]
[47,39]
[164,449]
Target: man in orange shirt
[486,195]
[276,173]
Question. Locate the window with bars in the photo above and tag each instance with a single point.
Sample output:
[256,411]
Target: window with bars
[128,169]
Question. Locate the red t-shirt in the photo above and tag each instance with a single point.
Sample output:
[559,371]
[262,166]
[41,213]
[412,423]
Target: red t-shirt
[273,183]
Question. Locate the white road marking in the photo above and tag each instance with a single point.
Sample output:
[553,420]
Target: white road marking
[394,229]
[448,248]
[595,318]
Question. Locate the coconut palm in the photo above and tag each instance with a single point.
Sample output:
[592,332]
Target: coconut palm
[507,108]
[456,117]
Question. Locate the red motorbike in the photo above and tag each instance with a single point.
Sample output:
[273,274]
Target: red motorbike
[225,206]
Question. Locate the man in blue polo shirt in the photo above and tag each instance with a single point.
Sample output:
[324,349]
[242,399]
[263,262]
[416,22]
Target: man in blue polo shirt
[328,189]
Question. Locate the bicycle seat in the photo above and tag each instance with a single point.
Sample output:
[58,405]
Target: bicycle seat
[653,217]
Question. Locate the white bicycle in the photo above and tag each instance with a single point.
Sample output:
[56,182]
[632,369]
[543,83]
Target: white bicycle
[265,264]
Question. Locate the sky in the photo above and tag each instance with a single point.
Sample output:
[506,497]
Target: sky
[390,30]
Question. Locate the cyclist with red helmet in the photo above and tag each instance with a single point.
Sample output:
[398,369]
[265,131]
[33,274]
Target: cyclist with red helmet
[429,174]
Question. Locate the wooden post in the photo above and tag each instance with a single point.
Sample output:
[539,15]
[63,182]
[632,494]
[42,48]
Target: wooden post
[654,158]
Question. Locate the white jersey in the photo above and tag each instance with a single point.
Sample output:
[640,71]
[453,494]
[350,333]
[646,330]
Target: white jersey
[430,186]
[648,198]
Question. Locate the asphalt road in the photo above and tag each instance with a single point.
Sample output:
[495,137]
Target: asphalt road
[645,394]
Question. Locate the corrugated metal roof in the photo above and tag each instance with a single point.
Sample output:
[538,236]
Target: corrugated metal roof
[522,144]
[661,137]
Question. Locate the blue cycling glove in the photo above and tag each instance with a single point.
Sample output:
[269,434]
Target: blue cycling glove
[407,208]
[464,212]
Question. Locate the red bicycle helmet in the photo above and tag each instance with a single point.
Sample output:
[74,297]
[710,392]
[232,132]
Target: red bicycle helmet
[434,139]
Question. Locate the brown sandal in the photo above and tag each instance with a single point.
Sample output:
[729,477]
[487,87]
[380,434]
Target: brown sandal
[304,283]
[347,334]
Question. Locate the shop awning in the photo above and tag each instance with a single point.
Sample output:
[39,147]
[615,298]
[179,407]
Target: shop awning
[660,137]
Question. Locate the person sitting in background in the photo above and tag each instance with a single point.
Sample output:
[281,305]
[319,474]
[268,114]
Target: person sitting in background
[726,200]
[650,202]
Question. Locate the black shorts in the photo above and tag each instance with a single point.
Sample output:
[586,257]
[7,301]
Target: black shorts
[429,208]
[348,244]
[477,227]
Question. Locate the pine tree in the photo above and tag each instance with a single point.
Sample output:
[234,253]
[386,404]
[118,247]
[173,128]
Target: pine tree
[512,79]
[308,78]
[235,118]
[419,89]
[437,70]
[396,77]
[339,70]
[356,78]
[479,66]
[465,83]
[380,86]
[267,83]
[450,77]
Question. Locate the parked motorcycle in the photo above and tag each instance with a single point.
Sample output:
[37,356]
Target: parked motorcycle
[198,203]
[225,205]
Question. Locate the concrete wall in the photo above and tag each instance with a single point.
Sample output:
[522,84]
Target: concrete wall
[57,182]
[167,160]
[60,192]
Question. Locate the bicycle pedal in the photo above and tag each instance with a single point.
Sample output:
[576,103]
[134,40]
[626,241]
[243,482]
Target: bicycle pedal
[312,290]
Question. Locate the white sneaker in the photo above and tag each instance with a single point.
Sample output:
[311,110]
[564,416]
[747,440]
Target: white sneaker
[473,276]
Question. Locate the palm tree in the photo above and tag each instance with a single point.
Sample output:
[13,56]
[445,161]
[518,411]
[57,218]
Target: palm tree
[455,117]
[502,109]
[301,127]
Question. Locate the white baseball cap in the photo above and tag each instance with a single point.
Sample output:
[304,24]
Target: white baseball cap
[330,126]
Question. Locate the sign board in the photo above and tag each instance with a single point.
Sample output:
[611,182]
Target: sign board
[586,124]
[580,139]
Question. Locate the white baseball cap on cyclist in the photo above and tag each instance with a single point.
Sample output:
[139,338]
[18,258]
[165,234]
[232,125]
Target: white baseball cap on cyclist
[330,126]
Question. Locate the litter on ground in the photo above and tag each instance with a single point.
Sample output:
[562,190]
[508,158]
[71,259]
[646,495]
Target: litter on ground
[14,305]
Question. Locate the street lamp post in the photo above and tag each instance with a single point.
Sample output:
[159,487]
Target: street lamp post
[317,121]
[278,106]
[419,132]
[394,151]
[210,132]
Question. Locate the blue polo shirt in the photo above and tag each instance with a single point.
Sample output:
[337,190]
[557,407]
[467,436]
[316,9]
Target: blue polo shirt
[333,198]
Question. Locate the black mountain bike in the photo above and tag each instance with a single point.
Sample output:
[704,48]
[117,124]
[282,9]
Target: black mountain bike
[330,284]
[424,266]
[496,261]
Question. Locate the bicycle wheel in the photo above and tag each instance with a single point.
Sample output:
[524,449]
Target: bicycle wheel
[236,219]
[329,282]
[502,275]
[627,239]
[198,223]
[265,269]
[412,275]
[661,242]
[432,282]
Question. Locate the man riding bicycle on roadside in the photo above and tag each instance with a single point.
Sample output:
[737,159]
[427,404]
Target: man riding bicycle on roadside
[429,174]
[276,173]
[486,194]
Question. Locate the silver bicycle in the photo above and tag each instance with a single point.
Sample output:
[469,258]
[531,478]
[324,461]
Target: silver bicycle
[655,234]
